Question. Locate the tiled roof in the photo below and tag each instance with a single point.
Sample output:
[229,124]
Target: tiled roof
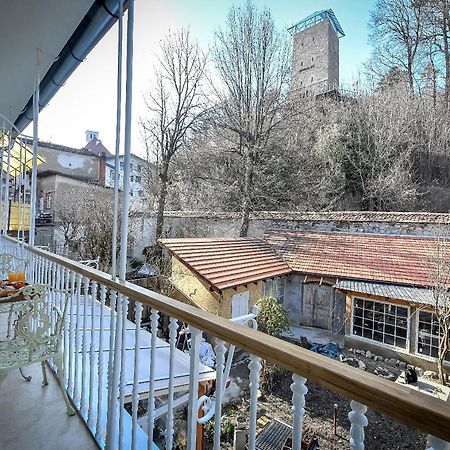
[331,216]
[370,257]
[96,147]
[225,263]
[408,293]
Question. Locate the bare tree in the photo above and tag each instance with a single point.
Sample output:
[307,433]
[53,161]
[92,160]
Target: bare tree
[397,35]
[252,62]
[174,107]
[84,217]
[440,277]
[438,37]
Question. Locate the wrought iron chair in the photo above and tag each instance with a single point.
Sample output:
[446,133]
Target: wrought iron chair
[37,334]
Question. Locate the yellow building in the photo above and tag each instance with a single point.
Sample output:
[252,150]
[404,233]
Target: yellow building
[222,276]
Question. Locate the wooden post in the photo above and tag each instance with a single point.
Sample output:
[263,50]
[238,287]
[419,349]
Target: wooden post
[200,427]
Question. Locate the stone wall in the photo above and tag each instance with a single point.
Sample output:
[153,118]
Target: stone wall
[215,224]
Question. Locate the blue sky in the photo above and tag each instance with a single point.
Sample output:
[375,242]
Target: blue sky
[87,101]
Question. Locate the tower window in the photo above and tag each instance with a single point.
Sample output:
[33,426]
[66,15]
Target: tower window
[301,63]
[312,79]
[312,58]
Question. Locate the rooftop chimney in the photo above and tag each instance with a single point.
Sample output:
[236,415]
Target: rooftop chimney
[91,135]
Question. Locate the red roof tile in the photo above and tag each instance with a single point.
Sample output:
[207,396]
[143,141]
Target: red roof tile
[96,147]
[226,263]
[371,257]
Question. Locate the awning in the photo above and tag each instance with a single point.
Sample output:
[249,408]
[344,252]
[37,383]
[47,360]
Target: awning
[407,293]
[21,155]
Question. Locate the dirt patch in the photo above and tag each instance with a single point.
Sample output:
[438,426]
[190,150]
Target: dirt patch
[382,432]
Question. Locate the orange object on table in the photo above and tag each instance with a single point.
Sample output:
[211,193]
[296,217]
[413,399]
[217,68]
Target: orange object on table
[12,277]
[20,276]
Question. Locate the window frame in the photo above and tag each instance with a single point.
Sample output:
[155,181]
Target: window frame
[407,349]
[416,349]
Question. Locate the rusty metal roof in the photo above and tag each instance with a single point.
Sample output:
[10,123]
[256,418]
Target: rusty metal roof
[228,262]
[411,294]
[406,260]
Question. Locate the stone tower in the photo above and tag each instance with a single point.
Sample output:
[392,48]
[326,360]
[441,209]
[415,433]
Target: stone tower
[315,55]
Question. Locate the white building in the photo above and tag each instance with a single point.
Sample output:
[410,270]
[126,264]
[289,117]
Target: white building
[137,175]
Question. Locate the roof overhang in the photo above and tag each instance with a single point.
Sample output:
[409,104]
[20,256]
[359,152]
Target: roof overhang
[64,31]
[410,294]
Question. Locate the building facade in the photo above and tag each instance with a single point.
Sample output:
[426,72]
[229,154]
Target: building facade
[137,176]
[315,55]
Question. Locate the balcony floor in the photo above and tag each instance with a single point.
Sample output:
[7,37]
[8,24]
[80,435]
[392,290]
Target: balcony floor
[34,417]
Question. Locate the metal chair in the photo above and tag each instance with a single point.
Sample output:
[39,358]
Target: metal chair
[37,335]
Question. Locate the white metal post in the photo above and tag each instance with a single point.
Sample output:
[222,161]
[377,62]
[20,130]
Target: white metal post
[7,179]
[117,158]
[35,145]
[126,173]
[1,160]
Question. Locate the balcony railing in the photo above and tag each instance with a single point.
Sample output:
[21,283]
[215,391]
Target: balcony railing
[103,351]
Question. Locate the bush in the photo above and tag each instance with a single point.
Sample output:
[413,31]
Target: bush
[272,319]
[226,430]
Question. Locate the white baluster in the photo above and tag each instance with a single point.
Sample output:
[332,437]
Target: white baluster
[255,368]
[113,379]
[112,324]
[72,332]
[91,411]
[193,388]
[135,403]
[220,350]
[66,326]
[84,381]
[437,444]
[173,326]
[124,316]
[151,393]
[99,430]
[299,390]
[78,322]
[358,421]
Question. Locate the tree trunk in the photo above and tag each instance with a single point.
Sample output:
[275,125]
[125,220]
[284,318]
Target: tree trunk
[443,349]
[446,35]
[162,195]
[246,191]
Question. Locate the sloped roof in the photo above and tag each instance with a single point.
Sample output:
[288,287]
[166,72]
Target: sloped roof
[227,262]
[411,294]
[362,256]
[96,147]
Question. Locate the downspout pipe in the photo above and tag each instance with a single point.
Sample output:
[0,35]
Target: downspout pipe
[102,15]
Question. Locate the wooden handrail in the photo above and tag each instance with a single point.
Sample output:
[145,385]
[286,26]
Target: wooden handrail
[411,407]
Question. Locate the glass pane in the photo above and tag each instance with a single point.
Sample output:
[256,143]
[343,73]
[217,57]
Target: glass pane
[388,339]
[400,342]
[378,336]
[402,332]
[367,333]
[358,302]
[357,331]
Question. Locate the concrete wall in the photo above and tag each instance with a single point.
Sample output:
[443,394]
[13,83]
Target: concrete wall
[74,163]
